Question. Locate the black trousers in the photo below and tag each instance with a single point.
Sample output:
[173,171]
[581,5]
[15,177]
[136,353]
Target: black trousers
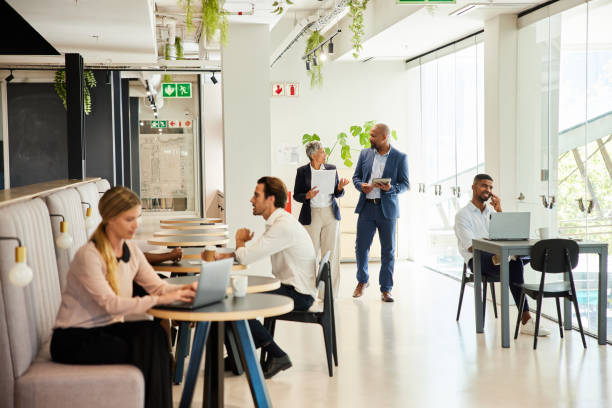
[492,271]
[261,336]
[142,343]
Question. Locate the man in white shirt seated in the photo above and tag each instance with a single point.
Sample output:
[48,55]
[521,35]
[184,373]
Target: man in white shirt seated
[472,222]
[292,254]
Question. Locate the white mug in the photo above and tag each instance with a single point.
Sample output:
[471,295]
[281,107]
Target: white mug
[239,285]
[544,233]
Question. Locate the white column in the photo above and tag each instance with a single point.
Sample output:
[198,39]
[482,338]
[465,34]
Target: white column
[500,53]
[246,123]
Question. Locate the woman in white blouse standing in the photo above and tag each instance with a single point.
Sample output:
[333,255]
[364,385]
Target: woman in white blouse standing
[320,213]
[90,327]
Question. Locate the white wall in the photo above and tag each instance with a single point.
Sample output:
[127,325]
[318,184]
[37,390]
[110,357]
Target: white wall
[246,120]
[212,121]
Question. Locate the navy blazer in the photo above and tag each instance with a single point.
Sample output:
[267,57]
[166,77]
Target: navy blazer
[396,168]
[303,180]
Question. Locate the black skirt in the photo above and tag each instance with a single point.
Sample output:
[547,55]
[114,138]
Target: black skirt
[142,343]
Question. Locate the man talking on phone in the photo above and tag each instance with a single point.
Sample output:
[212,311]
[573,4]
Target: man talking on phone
[381,175]
[472,222]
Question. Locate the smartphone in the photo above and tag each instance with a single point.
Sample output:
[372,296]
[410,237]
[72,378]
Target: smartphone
[381,181]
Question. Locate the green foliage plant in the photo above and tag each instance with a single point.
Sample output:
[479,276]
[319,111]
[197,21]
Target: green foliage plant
[316,77]
[89,81]
[361,133]
[187,6]
[214,18]
[356,10]
[178,43]
[279,6]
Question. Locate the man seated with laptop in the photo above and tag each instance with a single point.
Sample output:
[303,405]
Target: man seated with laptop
[293,259]
[472,222]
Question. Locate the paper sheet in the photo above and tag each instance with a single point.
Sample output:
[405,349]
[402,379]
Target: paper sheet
[324,180]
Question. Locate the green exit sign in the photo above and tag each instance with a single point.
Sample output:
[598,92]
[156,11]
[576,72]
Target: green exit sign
[426,1]
[176,90]
[159,124]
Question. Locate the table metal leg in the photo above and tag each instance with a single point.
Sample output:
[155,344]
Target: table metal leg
[259,391]
[478,292]
[213,367]
[504,269]
[182,350]
[602,299]
[231,346]
[201,333]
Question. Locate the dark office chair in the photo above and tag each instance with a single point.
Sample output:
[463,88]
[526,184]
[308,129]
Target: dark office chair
[552,256]
[466,278]
[325,318]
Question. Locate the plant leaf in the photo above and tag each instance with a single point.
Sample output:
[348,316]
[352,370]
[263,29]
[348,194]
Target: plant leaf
[315,137]
[394,134]
[306,138]
[348,163]
[355,130]
[327,151]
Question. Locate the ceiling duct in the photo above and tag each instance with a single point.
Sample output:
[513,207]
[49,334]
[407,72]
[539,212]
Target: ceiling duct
[472,7]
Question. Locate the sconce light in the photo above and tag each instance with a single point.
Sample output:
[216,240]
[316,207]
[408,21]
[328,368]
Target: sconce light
[20,274]
[64,239]
[90,223]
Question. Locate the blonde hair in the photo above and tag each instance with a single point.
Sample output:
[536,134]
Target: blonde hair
[113,202]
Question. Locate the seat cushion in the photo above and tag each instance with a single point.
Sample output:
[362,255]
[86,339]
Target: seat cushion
[50,385]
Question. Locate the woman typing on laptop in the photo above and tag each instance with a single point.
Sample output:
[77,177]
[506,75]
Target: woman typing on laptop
[472,222]
[90,327]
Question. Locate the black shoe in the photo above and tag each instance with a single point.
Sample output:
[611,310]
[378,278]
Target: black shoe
[276,364]
[228,364]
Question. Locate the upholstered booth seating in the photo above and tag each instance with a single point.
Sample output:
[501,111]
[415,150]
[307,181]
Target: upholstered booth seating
[90,194]
[103,185]
[27,376]
[67,203]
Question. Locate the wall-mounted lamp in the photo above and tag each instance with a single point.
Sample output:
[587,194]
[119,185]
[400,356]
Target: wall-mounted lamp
[20,274]
[64,239]
[90,223]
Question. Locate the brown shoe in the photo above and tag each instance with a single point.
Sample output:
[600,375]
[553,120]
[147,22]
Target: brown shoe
[386,297]
[359,289]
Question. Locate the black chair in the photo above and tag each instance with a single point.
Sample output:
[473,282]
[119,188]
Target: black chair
[324,318]
[552,256]
[466,278]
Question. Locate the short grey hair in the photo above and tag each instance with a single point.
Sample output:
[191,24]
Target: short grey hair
[313,147]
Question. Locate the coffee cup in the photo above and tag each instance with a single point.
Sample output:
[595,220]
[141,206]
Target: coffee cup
[544,233]
[239,285]
[209,253]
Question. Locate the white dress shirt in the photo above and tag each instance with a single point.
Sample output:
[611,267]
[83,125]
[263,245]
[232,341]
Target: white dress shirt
[320,200]
[290,249]
[378,166]
[471,223]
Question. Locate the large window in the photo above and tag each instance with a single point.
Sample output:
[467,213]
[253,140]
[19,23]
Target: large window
[447,124]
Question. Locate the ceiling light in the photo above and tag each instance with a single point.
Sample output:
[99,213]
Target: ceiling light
[10,77]
[308,64]
[213,79]
[323,57]
[330,48]
[314,60]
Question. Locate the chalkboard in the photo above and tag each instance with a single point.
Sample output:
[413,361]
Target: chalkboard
[38,147]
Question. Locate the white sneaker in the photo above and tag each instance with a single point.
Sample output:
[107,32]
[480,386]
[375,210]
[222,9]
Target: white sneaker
[529,328]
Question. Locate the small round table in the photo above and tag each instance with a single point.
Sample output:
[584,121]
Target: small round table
[191,233]
[187,241]
[194,226]
[256,283]
[210,332]
[185,266]
[190,220]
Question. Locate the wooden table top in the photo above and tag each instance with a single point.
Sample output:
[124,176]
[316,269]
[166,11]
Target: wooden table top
[185,266]
[190,220]
[256,283]
[232,308]
[179,241]
[191,233]
[194,226]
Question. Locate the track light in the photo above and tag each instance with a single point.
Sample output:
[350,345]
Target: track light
[308,64]
[314,60]
[213,79]
[10,77]
[330,48]
[323,57]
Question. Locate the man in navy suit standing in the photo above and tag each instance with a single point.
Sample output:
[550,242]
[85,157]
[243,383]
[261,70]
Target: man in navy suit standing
[378,206]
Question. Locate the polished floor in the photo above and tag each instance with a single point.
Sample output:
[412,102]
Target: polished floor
[412,353]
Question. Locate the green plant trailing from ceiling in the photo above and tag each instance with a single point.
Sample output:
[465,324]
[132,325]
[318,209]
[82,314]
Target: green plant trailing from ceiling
[356,10]
[178,43]
[316,77]
[279,6]
[361,133]
[188,7]
[214,18]
[89,81]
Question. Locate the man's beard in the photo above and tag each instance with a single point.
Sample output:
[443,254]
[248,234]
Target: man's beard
[482,199]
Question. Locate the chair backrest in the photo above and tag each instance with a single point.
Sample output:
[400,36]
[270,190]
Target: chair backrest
[89,194]
[550,255]
[67,203]
[324,276]
[102,185]
[29,312]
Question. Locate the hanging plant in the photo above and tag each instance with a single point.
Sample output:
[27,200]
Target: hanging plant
[188,8]
[89,81]
[279,6]
[178,43]
[214,18]
[316,77]
[356,10]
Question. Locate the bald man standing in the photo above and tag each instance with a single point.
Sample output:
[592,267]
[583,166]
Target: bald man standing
[378,206]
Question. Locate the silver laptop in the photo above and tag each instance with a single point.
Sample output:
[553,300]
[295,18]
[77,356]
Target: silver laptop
[212,285]
[509,226]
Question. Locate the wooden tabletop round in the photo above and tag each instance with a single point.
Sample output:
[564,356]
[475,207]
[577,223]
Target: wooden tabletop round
[191,233]
[194,226]
[256,284]
[186,266]
[232,308]
[179,241]
[190,220]
[192,253]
